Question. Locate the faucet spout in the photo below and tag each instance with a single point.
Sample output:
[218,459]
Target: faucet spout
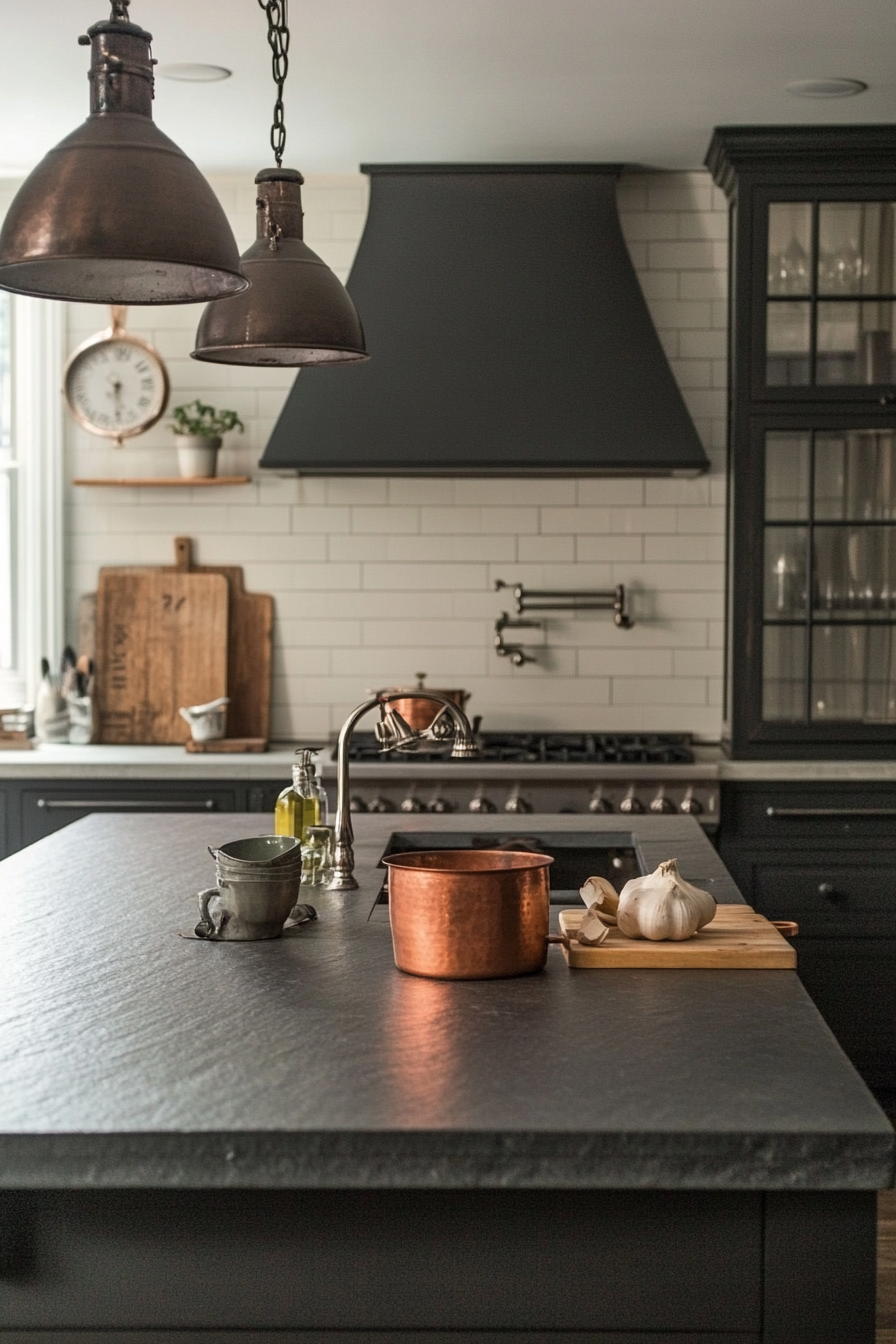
[464,748]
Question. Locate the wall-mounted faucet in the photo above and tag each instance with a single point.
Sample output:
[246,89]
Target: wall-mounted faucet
[515,652]
[596,599]
[393,734]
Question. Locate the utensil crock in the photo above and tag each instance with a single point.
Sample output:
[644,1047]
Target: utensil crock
[469,914]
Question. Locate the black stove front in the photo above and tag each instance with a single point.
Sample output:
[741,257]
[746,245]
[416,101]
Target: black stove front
[549,749]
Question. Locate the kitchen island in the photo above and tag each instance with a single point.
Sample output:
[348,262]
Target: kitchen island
[295,1138]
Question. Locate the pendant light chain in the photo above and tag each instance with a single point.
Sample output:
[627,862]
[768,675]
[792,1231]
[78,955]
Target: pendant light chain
[278,41]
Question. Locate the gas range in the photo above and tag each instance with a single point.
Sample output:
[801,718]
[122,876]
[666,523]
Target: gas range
[522,772]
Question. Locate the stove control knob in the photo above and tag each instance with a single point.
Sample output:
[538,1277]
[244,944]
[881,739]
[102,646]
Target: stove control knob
[356,804]
[690,805]
[440,805]
[598,803]
[481,804]
[412,804]
[381,804]
[661,803]
[517,803]
[630,803]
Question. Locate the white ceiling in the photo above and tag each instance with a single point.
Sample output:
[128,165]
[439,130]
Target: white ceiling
[633,81]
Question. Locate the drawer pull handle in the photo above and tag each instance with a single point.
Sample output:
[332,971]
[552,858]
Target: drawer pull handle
[830,811]
[826,889]
[57,804]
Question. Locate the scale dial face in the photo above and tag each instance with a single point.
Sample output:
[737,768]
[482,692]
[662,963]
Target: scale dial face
[116,385]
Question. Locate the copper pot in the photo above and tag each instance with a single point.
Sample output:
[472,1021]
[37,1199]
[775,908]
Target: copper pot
[419,714]
[461,914]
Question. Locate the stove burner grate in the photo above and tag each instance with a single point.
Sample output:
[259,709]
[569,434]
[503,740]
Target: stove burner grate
[551,749]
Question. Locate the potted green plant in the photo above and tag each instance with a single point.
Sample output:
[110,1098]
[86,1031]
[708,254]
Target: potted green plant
[197,433]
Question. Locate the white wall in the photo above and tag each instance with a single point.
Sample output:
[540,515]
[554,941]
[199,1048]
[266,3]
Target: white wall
[377,578]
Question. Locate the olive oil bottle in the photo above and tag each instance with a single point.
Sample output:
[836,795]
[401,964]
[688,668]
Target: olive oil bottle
[298,807]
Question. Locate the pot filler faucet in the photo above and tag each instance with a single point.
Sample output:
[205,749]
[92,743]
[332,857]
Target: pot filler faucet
[393,734]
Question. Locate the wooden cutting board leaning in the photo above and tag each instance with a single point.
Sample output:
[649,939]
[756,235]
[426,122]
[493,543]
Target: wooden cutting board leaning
[147,670]
[737,939]
[161,643]
[249,649]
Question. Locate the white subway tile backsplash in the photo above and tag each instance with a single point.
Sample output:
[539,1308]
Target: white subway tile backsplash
[553,550]
[375,577]
[442,547]
[387,520]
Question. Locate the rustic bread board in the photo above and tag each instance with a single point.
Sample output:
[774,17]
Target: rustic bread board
[161,643]
[737,939]
[249,651]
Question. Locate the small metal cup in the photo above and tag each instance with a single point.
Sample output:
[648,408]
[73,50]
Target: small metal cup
[258,885]
[241,909]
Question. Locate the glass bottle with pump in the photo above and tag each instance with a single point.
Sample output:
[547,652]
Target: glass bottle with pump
[299,806]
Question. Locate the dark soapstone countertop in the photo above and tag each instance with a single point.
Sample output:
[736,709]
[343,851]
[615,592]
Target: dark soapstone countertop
[132,1057]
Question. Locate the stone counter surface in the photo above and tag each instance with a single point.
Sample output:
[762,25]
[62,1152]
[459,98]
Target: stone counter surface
[132,1057]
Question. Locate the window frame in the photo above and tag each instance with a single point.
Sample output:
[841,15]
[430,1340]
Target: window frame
[36,468]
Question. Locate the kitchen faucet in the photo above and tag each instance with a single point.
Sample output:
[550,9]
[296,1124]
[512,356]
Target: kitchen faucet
[393,734]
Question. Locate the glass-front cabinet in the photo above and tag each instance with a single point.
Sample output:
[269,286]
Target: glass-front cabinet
[830,294]
[811,643]
[829,587]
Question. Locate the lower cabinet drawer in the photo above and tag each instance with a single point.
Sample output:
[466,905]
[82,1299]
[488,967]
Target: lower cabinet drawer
[826,814]
[47,810]
[842,899]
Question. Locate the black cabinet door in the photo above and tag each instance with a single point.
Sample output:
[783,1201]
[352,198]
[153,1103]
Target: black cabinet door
[48,809]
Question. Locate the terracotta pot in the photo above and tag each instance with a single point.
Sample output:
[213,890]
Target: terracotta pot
[469,914]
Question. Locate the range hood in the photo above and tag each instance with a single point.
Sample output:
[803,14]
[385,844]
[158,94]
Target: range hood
[508,336]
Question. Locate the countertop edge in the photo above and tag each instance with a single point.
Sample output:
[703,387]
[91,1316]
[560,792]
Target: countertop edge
[460,1160]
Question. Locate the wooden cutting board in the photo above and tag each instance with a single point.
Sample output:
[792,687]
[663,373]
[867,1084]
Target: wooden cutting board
[161,642]
[737,939]
[250,647]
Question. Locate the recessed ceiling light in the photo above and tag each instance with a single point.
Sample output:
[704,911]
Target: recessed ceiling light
[826,88]
[194,72]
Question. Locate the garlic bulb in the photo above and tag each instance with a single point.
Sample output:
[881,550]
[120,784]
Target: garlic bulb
[662,905]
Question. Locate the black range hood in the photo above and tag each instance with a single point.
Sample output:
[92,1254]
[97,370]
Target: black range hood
[508,336]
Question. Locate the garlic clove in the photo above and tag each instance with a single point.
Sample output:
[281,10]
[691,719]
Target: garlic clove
[598,891]
[593,928]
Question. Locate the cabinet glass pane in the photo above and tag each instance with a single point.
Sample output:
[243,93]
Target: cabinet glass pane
[785,573]
[853,673]
[855,475]
[854,573]
[787,476]
[784,673]
[789,247]
[855,343]
[788,344]
[856,247]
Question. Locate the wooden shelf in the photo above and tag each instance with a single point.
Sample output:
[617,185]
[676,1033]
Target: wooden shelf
[161,480]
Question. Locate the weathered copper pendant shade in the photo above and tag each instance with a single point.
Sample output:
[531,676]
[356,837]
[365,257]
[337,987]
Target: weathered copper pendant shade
[116,213]
[297,311]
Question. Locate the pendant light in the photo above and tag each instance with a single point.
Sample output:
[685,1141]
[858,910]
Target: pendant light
[116,213]
[297,311]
